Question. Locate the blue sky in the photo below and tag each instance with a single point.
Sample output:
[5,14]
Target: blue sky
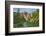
[29,10]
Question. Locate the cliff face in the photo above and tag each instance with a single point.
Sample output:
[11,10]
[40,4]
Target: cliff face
[26,16]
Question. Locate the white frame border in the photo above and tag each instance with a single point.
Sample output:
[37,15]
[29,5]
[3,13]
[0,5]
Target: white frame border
[29,28]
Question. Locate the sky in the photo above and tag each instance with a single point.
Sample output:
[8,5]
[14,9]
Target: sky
[29,10]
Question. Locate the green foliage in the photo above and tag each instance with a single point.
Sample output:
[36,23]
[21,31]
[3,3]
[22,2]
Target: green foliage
[35,17]
[19,20]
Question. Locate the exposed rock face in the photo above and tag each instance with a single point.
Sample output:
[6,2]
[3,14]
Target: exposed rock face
[26,16]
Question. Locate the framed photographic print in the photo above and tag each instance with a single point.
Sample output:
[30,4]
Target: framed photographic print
[24,17]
